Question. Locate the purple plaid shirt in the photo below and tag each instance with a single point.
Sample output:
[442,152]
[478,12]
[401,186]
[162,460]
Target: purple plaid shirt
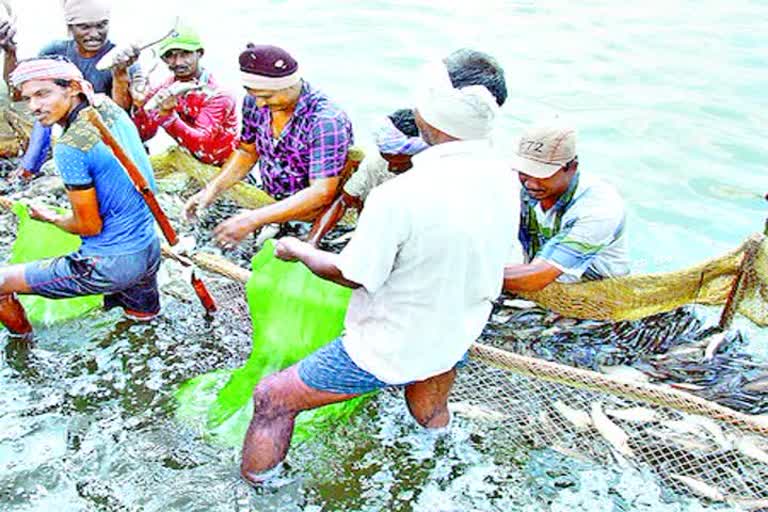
[313,144]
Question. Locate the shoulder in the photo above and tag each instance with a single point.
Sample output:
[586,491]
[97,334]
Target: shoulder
[81,135]
[322,107]
[597,198]
[111,112]
[58,47]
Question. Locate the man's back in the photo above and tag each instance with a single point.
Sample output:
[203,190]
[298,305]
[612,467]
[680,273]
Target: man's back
[430,252]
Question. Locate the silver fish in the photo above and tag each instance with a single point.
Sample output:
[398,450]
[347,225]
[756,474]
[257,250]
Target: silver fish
[610,431]
[625,373]
[700,488]
[576,417]
[714,343]
[175,89]
[519,304]
[750,447]
[634,414]
[475,412]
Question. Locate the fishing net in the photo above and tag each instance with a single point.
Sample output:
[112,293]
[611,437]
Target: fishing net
[293,313]
[692,444]
[639,296]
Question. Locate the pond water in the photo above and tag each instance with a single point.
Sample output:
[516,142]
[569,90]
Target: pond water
[669,99]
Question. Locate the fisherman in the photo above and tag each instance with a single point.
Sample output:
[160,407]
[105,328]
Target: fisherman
[424,269]
[202,121]
[298,136]
[88,24]
[572,225]
[397,137]
[120,253]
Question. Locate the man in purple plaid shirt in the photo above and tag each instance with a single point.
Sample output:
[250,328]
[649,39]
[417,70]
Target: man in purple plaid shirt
[296,134]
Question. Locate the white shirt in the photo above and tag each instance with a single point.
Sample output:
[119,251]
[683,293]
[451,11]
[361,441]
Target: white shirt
[429,252]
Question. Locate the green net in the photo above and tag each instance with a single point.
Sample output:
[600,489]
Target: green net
[38,240]
[293,314]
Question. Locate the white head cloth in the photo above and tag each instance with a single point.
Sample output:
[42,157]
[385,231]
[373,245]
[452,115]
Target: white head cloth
[466,113]
[85,11]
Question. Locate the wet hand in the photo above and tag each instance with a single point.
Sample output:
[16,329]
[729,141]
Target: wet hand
[167,101]
[126,57]
[7,34]
[44,214]
[232,231]
[289,248]
[197,203]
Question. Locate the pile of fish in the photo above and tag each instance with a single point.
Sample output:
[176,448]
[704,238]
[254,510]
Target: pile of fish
[673,348]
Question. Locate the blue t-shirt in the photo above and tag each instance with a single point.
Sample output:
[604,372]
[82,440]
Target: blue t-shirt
[101,80]
[83,160]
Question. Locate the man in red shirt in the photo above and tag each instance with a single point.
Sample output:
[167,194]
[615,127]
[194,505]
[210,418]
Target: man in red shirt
[201,118]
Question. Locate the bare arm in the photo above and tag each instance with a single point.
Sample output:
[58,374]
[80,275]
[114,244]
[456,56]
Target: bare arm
[237,166]
[323,264]
[328,219]
[121,87]
[303,205]
[530,277]
[84,220]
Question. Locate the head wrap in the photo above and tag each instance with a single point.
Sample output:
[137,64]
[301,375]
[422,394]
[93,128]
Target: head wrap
[268,67]
[85,11]
[392,141]
[184,38]
[51,69]
[466,113]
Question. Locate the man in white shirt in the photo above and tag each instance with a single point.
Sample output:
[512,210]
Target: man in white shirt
[424,269]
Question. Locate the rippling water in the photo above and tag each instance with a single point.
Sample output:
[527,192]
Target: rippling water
[671,105]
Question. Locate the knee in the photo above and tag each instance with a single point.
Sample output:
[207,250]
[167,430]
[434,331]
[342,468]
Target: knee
[266,402]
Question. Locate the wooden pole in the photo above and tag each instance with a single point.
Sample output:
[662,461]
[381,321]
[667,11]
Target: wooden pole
[138,179]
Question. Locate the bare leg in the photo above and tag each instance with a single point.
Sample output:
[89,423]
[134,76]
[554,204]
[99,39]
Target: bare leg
[12,315]
[277,400]
[428,400]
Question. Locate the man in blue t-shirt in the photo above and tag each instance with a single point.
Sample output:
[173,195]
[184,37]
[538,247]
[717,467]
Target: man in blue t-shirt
[88,24]
[120,253]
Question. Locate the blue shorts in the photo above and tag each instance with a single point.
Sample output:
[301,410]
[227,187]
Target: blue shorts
[126,280]
[331,369]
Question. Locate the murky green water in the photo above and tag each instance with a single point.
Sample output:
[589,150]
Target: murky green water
[670,101]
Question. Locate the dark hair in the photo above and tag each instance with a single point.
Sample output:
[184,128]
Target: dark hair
[405,121]
[470,67]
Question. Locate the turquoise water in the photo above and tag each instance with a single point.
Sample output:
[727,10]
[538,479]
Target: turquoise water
[670,101]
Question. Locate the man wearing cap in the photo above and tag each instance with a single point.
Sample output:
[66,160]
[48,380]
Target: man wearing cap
[88,24]
[296,134]
[397,137]
[572,225]
[424,270]
[204,121]
[397,141]
[120,253]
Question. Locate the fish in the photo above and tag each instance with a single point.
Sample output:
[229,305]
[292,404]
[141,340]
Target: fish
[576,417]
[476,412]
[749,503]
[688,443]
[625,373]
[749,447]
[700,488]
[758,385]
[634,414]
[175,89]
[714,342]
[519,304]
[713,429]
[610,431]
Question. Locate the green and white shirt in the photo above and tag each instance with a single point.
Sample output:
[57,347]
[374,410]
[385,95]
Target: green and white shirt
[583,234]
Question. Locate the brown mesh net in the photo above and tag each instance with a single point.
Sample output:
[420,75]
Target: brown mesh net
[693,446]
